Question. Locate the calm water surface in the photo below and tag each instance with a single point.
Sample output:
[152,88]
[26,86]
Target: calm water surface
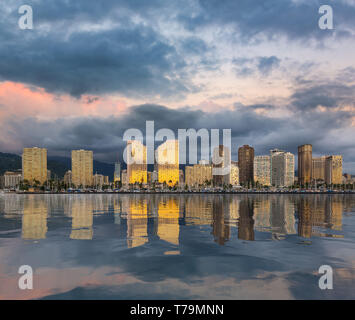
[177,246]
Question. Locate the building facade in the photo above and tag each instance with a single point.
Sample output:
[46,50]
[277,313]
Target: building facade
[10,180]
[100,180]
[117,173]
[68,178]
[234,175]
[262,170]
[136,162]
[318,168]
[167,156]
[334,170]
[82,163]
[34,164]
[221,166]
[305,164]
[246,164]
[198,174]
[282,168]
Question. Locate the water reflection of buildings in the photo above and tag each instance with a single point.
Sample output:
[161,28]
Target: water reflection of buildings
[168,220]
[136,209]
[140,218]
[315,214]
[34,218]
[246,221]
[82,218]
[220,225]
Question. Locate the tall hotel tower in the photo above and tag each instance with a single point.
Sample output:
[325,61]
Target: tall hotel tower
[282,168]
[262,170]
[136,162]
[167,155]
[34,164]
[246,164]
[82,164]
[304,164]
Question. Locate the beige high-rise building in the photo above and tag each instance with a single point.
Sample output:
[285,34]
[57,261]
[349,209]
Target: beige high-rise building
[318,168]
[167,155]
[198,174]
[334,170]
[282,168]
[304,164]
[262,170]
[82,163]
[34,164]
[136,162]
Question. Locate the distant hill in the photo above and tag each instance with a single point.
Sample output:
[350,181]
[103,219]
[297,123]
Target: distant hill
[57,165]
[9,162]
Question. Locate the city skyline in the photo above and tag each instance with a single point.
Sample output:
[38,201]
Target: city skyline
[276,82]
[274,170]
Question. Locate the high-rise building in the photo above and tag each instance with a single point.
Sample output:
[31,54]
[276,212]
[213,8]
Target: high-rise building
[304,164]
[262,170]
[82,163]
[181,178]
[282,168]
[221,166]
[34,164]
[234,175]
[246,164]
[167,155]
[334,170]
[154,176]
[68,178]
[318,168]
[117,173]
[124,178]
[136,162]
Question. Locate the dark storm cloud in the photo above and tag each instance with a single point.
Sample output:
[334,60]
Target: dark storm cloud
[252,18]
[63,55]
[66,54]
[135,62]
[104,135]
[329,95]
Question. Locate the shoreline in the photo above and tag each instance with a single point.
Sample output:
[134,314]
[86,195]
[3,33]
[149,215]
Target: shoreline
[195,192]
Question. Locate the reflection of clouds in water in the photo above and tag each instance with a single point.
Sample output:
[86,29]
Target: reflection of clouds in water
[178,243]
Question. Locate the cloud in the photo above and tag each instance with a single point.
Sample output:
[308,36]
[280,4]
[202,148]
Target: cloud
[328,95]
[262,65]
[133,62]
[249,126]
[266,64]
[251,19]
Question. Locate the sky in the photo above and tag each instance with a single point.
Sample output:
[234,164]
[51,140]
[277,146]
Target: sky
[89,70]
